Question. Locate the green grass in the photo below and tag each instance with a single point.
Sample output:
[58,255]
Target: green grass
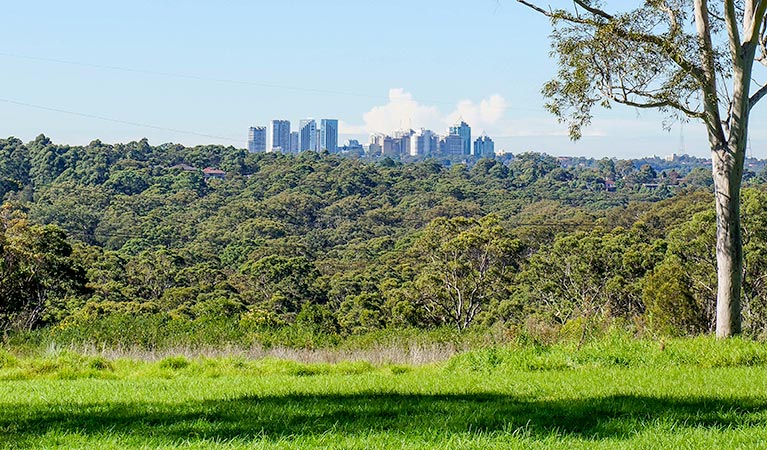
[613,393]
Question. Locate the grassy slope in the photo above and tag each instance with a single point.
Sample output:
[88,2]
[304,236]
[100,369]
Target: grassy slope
[603,396]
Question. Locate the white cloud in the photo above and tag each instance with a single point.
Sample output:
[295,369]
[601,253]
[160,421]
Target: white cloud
[346,128]
[402,111]
[483,116]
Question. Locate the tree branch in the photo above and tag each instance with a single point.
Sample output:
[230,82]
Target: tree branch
[757,22]
[674,27]
[757,96]
[731,19]
[537,8]
[763,44]
[664,45]
[595,11]
[658,104]
[712,117]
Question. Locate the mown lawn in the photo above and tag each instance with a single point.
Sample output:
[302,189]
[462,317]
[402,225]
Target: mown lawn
[691,394]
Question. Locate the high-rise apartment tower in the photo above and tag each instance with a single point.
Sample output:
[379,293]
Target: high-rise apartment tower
[279,136]
[257,139]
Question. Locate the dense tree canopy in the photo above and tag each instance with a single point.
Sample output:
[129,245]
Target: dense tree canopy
[346,246]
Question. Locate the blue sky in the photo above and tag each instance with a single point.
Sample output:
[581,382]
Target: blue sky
[215,68]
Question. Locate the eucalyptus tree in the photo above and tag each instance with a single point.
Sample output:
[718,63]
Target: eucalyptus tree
[468,264]
[691,59]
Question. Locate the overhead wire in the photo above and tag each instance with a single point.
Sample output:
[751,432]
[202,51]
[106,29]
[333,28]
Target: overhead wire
[110,119]
[262,84]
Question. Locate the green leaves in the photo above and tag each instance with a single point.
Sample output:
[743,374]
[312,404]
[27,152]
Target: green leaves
[36,271]
[643,58]
[467,265]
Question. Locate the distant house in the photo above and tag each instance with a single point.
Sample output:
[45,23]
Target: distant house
[610,185]
[210,172]
[565,161]
[183,167]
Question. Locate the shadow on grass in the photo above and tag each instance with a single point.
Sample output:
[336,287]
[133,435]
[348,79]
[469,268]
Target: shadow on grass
[274,417]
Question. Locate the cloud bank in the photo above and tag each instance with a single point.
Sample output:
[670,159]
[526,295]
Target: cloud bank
[403,111]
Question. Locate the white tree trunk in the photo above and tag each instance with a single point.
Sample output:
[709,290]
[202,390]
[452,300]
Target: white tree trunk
[728,173]
[728,157]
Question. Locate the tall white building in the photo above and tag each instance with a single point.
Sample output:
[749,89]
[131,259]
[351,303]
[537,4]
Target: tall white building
[307,135]
[423,143]
[376,144]
[279,136]
[257,139]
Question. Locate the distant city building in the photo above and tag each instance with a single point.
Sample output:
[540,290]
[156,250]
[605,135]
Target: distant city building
[257,139]
[294,142]
[388,147]
[484,147]
[279,136]
[451,145]
[329,135]
[464,130]
[307,135]
[402,142]
[423,143]
[376,145]
[353,148]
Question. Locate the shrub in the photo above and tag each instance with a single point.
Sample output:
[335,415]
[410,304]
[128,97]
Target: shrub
[174,363]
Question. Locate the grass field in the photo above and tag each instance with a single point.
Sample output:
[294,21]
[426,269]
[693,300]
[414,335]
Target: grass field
[610,394]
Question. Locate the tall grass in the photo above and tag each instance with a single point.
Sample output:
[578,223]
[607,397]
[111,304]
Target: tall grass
[614,351]
[156,337]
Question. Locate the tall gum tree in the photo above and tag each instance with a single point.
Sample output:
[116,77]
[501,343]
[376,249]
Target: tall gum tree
[691,59]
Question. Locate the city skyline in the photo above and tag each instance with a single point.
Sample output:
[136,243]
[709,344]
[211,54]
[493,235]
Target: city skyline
[403,143]
[86,74]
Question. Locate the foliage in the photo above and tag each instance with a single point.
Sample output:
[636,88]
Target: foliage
[37,272]
[469,264]
[315,248]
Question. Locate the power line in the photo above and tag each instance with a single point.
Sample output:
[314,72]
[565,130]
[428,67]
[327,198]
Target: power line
[187,76]
[124,122]
[262,84]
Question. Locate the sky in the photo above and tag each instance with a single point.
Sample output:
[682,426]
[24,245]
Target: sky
[199,72]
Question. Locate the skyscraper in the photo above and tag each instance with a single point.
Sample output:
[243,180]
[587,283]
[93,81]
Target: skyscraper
[307,135]
[294,142]
[376,144]
[451,145]
[484,147]
[402,140]
[423,143]
[464,130]
[279,138]
[257,139]
[329,135]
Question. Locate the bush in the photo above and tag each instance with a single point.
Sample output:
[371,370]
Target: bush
[174,363]
[7,360]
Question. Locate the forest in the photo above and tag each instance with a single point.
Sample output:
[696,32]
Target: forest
[127,243]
